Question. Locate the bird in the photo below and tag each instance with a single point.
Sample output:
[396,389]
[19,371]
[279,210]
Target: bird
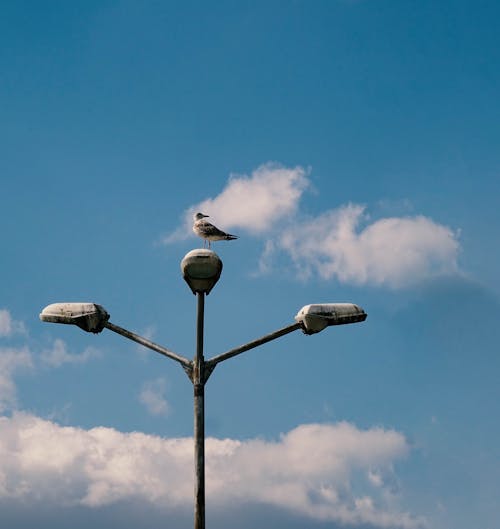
[209,232]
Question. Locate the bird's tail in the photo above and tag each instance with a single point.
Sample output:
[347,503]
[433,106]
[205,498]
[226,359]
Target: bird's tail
[230,237]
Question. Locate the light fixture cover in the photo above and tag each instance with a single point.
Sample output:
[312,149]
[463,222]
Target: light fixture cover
[315,318]
[201,270]
[88,316]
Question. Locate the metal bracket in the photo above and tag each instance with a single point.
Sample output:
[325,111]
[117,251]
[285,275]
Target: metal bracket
[207,371]
[188,369]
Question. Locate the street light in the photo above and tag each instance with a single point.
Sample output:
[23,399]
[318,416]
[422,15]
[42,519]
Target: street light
[88,316]
[201,270]
[315,318]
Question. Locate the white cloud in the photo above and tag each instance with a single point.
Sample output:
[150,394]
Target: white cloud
[310,470]
[152,395]
[338,244]
[251,203]
[12,360]
[394,252]
[59,355]
[375,478]
[9,326]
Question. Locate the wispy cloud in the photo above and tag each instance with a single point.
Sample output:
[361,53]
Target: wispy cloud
[12,361]
[59,355]
[340,243]
[250,203]
[9,326]
[152,395]
[15,360]
[148,333]
[323,471]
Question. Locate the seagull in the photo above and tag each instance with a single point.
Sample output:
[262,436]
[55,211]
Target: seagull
[208,232]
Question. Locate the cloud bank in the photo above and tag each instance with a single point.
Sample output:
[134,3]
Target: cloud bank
[310,470]
[340,243]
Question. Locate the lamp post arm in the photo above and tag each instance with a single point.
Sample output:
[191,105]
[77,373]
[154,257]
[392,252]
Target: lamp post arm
[151,345]
[210,364]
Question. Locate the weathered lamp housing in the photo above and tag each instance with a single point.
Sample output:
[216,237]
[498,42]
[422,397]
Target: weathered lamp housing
[315,318]
[201,270]
[88,316]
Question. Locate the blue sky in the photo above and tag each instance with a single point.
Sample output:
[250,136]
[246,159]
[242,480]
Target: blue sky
[353,146]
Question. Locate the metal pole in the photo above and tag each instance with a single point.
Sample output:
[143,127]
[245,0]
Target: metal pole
[243,348]
[199,419]
[148,343]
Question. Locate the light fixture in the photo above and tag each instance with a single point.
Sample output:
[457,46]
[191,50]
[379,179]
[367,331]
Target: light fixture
[88,316]
[315,318]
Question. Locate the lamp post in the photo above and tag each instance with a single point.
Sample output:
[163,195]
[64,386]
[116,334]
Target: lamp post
[201,270]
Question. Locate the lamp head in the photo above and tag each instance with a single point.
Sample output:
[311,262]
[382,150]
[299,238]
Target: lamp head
[201,270]
[88,316]
[315,318]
